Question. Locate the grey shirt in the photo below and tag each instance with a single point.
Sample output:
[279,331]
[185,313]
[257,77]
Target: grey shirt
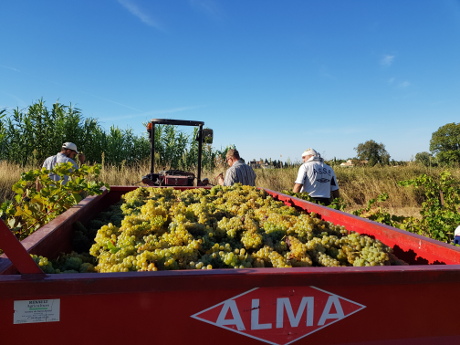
[240,172]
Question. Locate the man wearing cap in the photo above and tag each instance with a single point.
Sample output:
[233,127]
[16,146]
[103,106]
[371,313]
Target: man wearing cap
[68,152]
[316,178]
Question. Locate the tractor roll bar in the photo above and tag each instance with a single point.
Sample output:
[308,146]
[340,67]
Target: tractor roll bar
[198,124]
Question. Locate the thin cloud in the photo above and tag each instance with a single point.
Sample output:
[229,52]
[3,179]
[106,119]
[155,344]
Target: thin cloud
[64,85]
[399,84]
[110,101]
[404,84]
[209,7]
[18,100]
[387,60]
[10,68]
[139,13]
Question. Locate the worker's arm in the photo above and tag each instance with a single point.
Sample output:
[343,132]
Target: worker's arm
[297,187]
[220,179]
[335,194]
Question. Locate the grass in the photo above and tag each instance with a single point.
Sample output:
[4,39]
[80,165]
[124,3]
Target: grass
[9,174]
[358,185]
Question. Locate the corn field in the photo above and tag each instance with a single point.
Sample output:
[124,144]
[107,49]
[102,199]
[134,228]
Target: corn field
[29,136]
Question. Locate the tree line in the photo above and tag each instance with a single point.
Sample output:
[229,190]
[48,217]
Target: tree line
[444,149]
[28,136]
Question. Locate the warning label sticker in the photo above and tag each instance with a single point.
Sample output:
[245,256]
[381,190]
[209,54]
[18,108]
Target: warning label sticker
[37,310]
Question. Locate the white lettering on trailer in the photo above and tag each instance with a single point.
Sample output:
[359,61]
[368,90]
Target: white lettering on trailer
[230,305]
[255,310]
[285,304]
[282,304]
[279,315]
[327,314]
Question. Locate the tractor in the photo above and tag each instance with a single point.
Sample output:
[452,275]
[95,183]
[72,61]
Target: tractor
[177,177]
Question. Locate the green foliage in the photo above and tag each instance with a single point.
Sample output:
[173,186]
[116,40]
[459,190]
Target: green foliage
[373,153]
[380,215]
[39,131]
[38,199]
[449,158]
[338,204]
[2,126]
[42,131]
[440,210]
[123,147]
[445,143]
[425,158]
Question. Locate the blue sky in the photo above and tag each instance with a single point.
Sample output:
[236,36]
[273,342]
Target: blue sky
[269,76]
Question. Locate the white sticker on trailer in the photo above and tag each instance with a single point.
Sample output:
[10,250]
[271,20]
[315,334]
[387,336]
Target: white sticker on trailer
[36,310]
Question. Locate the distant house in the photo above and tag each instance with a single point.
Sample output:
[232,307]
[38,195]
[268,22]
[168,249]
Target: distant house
[348,163]
[260,165]
[255,164]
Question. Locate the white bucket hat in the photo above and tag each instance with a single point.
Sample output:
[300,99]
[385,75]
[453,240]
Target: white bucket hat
[70,146]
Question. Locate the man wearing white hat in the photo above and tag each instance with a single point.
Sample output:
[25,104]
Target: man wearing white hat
[68,153]
[316,178]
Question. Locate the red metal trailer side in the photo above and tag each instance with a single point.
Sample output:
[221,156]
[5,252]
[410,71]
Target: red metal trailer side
[392,305]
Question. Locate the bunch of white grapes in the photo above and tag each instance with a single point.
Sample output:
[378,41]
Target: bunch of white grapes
[72,262]
[225,227]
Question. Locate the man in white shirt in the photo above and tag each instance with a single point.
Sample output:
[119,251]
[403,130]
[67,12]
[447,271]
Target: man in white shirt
[316,178]
[67,154]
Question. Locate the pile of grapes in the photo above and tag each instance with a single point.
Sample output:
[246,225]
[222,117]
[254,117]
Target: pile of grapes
[67,263]
[225,227]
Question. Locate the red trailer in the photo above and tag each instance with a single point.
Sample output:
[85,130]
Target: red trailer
[385,305]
